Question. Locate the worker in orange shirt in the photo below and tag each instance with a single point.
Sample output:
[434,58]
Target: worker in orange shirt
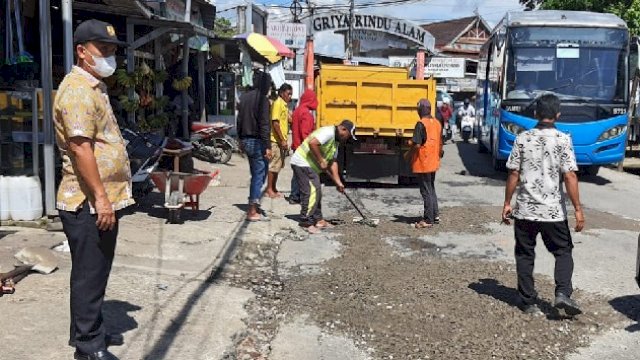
[425,154]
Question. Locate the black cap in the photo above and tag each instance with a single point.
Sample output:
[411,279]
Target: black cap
[96,30]
[348,124]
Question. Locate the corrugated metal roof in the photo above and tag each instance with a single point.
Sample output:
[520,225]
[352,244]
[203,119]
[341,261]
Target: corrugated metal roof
[117,7]
[563,18]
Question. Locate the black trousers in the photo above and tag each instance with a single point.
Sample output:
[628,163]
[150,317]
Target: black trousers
[310,195]
[557,239]
[429,197]
[92,252]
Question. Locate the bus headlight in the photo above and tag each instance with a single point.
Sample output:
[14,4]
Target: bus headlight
[513,128]
[613,132]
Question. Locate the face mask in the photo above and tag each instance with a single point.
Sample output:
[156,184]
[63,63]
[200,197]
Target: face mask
[104,67]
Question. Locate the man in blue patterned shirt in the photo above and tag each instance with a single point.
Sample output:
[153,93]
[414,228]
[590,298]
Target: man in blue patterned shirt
[540,160]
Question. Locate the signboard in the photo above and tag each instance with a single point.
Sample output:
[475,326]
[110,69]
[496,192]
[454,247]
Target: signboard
[292,35]
[401,61]
[401,28]
[441,67]
[462,85]
[368,40]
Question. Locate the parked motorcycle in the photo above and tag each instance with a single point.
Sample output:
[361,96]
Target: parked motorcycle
[466,128]
[145,151]
[212,143]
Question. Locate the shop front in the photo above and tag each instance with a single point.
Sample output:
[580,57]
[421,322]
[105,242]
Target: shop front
[166,45]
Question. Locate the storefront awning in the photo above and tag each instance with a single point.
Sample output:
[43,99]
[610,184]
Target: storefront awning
[267,47]
[116,7]
[140,15]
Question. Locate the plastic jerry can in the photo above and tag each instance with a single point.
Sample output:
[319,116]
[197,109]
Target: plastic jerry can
[25,198]
[5,210]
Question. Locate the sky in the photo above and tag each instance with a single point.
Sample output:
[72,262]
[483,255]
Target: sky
[419,11]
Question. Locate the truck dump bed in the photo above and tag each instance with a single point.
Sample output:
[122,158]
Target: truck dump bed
[379,100]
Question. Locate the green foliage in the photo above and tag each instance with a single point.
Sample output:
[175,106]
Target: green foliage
[628,10]
[223,28]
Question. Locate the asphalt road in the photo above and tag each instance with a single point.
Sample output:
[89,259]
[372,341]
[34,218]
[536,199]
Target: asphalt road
[470,195]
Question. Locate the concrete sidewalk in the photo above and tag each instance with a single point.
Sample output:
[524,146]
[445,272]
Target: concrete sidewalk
[162,295]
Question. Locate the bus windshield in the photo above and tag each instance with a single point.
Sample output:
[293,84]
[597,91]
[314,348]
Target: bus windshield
[585,64]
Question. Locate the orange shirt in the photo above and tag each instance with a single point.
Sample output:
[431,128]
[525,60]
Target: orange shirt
[427,158]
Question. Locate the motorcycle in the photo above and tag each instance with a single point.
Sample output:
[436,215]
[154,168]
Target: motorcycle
[466,130]
[145,151]
[211,143]
[447,134]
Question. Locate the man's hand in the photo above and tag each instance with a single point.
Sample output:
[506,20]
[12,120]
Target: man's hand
[268,154]
[506,214]
[284,146]
[106,216]
[340,187]
[324,165]
[579,220]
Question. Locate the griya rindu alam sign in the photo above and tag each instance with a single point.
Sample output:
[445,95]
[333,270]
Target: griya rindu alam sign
[393,26]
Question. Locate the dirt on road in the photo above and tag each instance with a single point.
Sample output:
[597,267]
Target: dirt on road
[414,304]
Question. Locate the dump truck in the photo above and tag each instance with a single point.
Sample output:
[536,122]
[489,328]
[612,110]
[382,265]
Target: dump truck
[382,102]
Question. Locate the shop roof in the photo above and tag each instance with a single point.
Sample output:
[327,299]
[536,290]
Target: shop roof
[448,31]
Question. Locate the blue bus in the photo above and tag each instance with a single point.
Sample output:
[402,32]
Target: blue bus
[581,57]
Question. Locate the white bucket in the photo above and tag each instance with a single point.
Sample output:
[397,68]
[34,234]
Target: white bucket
[5,210]
[25,198]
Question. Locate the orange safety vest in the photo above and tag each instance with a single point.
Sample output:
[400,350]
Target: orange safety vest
[427,158]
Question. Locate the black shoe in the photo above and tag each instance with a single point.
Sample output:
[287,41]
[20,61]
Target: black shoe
[569,306]
[109,339]
[100,355]
[437,220]
[294,201]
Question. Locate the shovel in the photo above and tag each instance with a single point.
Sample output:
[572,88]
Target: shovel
[363,219]
[41,260]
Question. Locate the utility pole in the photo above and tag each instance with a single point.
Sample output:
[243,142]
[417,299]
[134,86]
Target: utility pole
[352,7]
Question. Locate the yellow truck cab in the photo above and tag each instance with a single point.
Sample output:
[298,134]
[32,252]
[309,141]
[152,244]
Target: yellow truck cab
[382,103]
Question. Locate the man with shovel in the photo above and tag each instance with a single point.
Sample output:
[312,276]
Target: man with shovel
[96,183]
[317,154]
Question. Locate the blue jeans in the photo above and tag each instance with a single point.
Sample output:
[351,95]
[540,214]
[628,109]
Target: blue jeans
[295,188]
[254,148]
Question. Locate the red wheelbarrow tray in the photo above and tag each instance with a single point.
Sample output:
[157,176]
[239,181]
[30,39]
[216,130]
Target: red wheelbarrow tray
[194,184]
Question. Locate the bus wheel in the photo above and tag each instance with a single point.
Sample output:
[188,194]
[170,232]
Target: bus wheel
[590,170]
[499,165]
[481,148]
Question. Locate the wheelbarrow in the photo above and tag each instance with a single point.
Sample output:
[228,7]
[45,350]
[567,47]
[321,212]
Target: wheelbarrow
[181,190]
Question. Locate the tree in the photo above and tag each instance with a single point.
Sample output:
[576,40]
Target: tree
[628,10]
[223,28]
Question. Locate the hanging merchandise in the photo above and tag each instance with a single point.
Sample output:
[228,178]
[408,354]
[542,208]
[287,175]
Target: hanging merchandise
[277,74]
[23,55]
[247,67]
[8,56]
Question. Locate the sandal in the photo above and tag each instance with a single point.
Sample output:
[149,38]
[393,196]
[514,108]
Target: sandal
[423,225]
[258,219]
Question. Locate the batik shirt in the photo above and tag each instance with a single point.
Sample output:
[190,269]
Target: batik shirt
[541,155]
[82,109]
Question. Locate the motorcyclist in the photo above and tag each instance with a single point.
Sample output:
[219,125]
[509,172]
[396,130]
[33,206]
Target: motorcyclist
[466,110]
